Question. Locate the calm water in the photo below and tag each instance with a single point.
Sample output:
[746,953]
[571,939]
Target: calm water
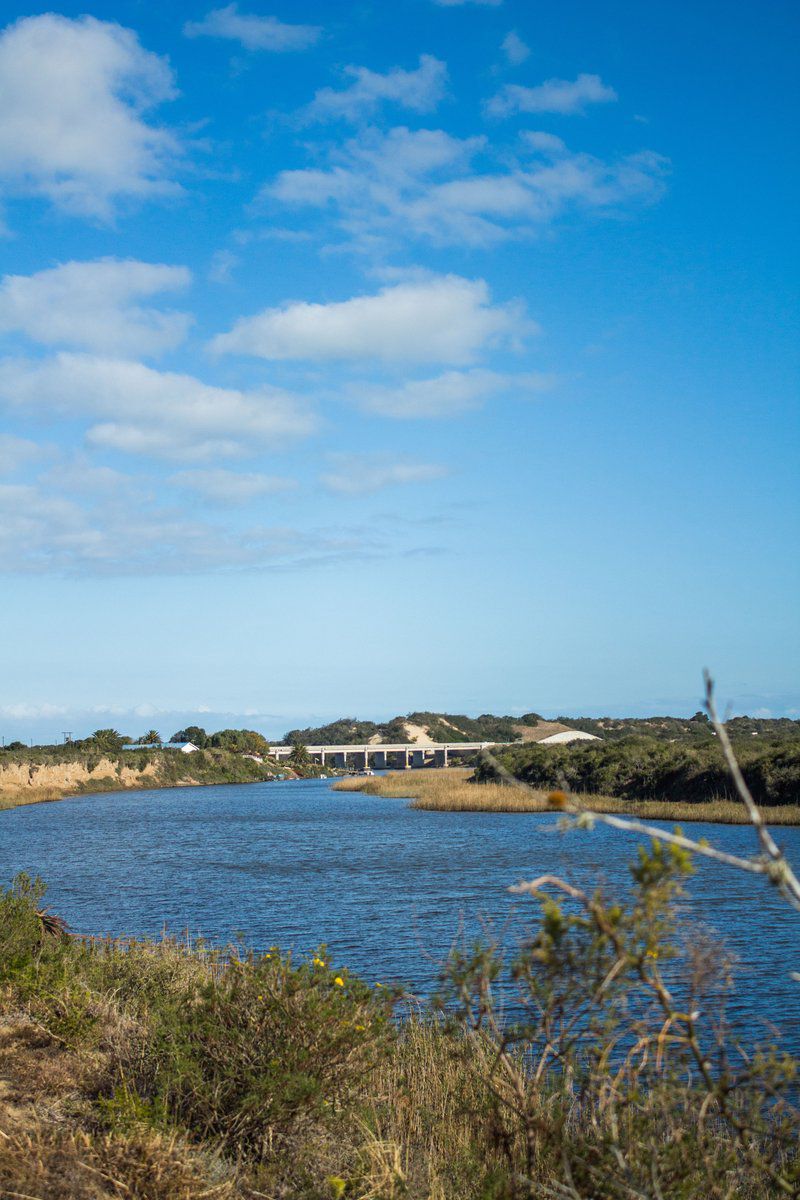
[386,887]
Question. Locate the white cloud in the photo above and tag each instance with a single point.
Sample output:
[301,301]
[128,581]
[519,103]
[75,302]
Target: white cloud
[515,50]
[358,475]
[420,90]
[16,453]
[553,96]
[427,185]
[92,305]
[144,411]
[254,33]
[73,100]
[439,319]
[230,487]
[223,263]
[445,395]
[31,712]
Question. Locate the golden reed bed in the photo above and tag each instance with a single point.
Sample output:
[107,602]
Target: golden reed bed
[450,791]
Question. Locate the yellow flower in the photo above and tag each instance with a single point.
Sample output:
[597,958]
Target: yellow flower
[360,1028]
[652,954]
[339,981]
[318,962]
[267,956]
[261,997]
[337,1185]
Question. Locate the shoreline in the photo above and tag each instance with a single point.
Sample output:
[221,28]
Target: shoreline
[449,791]
[445,791]
[24,783]
[7,803]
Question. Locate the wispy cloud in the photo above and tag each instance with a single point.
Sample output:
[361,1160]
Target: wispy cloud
[445,395]
[31,712]
[44,532]
[361,474]
[443,318]
[16,453]
[563,96]
[426,185]
[92,305]
[74,95]
[230,488]
[252,32]
[515,50]
[419,90]
[157,413]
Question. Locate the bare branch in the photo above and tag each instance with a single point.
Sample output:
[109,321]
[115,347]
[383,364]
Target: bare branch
[771,862]
[779,870]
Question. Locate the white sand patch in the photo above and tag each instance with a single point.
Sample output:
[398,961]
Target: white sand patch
[419,734]
[568,735]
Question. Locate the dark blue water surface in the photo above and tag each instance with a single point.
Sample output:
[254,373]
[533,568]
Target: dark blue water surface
[387,887]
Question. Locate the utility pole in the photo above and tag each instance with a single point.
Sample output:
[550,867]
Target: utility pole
[67,737]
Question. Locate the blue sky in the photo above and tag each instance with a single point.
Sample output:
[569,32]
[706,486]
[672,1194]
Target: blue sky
[358,359]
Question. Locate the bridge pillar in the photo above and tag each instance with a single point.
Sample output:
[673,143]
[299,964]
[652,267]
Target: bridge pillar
[418,758]
[340,760]
[440,757]
[379,760]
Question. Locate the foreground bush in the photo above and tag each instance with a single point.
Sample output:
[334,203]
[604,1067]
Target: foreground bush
[594,1062]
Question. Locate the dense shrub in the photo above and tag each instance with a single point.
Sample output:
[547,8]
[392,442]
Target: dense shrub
[640,768]
[191,1073]
[266,1053]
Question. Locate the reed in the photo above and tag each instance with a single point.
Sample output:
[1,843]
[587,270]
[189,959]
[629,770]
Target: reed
[452,791]
[15,799]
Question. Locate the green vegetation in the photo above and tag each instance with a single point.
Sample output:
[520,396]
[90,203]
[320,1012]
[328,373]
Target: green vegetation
[647,768]
[445,727]
[441,727]
[679,729]
[50,773]
[161,1070]
[450,727]
[347,730]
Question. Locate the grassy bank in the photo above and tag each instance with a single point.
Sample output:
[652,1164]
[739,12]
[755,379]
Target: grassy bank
[450,791]
[161,1071]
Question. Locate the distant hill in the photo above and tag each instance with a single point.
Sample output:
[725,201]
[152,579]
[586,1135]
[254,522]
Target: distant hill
[429,728]
[683,729]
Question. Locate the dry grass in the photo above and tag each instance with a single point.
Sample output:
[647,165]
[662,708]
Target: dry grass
[65,1164]
[15,799]
[450,791]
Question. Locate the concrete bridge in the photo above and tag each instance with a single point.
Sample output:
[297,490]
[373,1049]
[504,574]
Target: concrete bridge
[387,756]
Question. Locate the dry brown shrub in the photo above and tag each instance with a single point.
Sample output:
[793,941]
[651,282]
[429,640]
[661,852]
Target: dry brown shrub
[48,1163]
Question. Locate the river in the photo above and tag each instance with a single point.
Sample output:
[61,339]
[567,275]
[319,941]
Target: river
[386,887]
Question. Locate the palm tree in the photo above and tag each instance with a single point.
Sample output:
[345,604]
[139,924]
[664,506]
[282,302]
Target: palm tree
[299,757]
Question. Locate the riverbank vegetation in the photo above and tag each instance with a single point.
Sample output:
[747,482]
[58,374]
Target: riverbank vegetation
[39,775]
[454,791]
[642,769]
[166,1071]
